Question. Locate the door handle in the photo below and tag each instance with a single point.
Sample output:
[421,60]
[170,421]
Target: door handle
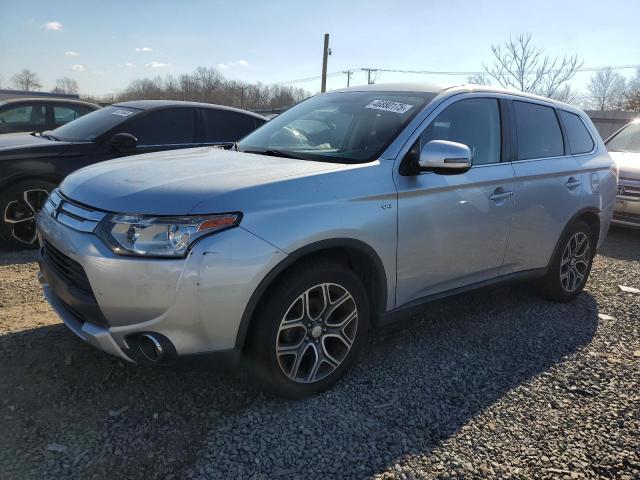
[573,182]
[496,197]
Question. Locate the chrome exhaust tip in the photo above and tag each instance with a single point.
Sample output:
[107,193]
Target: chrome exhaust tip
[150,347]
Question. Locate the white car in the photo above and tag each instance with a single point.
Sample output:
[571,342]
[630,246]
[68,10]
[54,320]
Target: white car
[624,148]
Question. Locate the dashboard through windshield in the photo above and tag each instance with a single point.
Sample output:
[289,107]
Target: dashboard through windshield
[349,127]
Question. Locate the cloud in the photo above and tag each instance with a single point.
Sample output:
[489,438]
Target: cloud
[155,64]
[77,68]
[128,64]
[144,49]
[240,63]
[56,26]
[71,53]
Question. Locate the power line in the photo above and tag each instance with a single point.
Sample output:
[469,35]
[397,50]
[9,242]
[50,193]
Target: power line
[440,72]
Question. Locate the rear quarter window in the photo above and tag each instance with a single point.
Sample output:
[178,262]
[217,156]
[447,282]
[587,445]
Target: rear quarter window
[580,141]
[538,131]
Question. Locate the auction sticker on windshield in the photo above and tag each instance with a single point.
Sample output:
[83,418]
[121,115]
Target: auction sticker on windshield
[389,106]
[122,113]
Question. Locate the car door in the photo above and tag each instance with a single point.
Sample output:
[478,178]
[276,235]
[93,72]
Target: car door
[549,187]
[164,129]
[453,229]
[23,117]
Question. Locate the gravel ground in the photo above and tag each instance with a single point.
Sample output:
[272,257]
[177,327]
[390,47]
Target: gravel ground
[499,385]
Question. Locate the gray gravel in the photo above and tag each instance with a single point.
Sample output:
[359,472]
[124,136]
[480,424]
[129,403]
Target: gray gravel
[493,384]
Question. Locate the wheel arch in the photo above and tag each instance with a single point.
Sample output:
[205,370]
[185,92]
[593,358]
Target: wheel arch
[591,216]
[360,257]
[26,176]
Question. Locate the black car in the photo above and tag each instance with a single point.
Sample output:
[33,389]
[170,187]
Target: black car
[31,165]
[40,114]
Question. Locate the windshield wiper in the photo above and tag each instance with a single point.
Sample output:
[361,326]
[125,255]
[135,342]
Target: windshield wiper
[274,153]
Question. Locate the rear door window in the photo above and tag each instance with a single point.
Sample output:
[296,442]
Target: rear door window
[169,126]
[31,114]
[226,126]
[580,140]
[538,130]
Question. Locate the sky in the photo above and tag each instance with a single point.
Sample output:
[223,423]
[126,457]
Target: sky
[105,45]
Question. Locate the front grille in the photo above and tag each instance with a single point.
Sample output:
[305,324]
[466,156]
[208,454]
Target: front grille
[66,268]
[628,191]
[73,215]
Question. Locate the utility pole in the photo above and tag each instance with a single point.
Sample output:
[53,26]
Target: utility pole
[349,74]
[325,58]
[370,81]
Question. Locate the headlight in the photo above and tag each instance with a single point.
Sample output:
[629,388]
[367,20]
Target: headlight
[162,236]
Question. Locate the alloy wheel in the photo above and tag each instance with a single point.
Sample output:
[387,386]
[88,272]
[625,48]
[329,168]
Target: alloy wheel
[20,215]
[316,333]
[575,262]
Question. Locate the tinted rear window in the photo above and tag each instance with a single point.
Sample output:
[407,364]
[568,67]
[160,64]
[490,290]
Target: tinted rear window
[227,126]
[580,140]
[538,130]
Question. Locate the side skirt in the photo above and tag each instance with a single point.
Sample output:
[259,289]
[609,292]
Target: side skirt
[416,306]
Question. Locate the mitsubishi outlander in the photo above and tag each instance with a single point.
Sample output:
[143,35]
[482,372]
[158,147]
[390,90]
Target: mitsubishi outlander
[338,216]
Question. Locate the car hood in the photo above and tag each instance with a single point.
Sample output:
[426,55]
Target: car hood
[20,144]
[178,182]
[628,164]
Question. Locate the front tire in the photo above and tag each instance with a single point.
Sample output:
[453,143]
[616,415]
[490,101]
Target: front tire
[19,205]
[570,267]
[309,329]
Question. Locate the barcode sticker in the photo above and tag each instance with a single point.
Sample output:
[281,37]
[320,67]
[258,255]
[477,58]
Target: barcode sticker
[122,113]
[389,106]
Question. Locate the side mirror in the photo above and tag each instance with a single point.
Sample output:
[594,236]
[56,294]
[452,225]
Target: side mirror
[123,141]
[442,156]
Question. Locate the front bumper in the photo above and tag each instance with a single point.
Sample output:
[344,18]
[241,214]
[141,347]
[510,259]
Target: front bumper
[94,335]
[627,209]
[196,303]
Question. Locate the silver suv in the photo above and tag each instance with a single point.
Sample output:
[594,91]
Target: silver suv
[342,214]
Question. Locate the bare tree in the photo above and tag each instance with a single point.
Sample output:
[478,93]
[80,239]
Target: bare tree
[520,64]
[633,93]
[66,85]
[478,79]
[27,80]
[606,90]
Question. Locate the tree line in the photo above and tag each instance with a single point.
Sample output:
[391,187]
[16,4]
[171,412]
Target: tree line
[210,86]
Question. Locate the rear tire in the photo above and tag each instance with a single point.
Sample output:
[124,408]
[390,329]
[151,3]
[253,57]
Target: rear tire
[309,329]
[19,205]
[570,267]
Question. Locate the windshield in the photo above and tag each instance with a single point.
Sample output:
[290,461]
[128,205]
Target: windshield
[627,140]
[349,127]
[94,124]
